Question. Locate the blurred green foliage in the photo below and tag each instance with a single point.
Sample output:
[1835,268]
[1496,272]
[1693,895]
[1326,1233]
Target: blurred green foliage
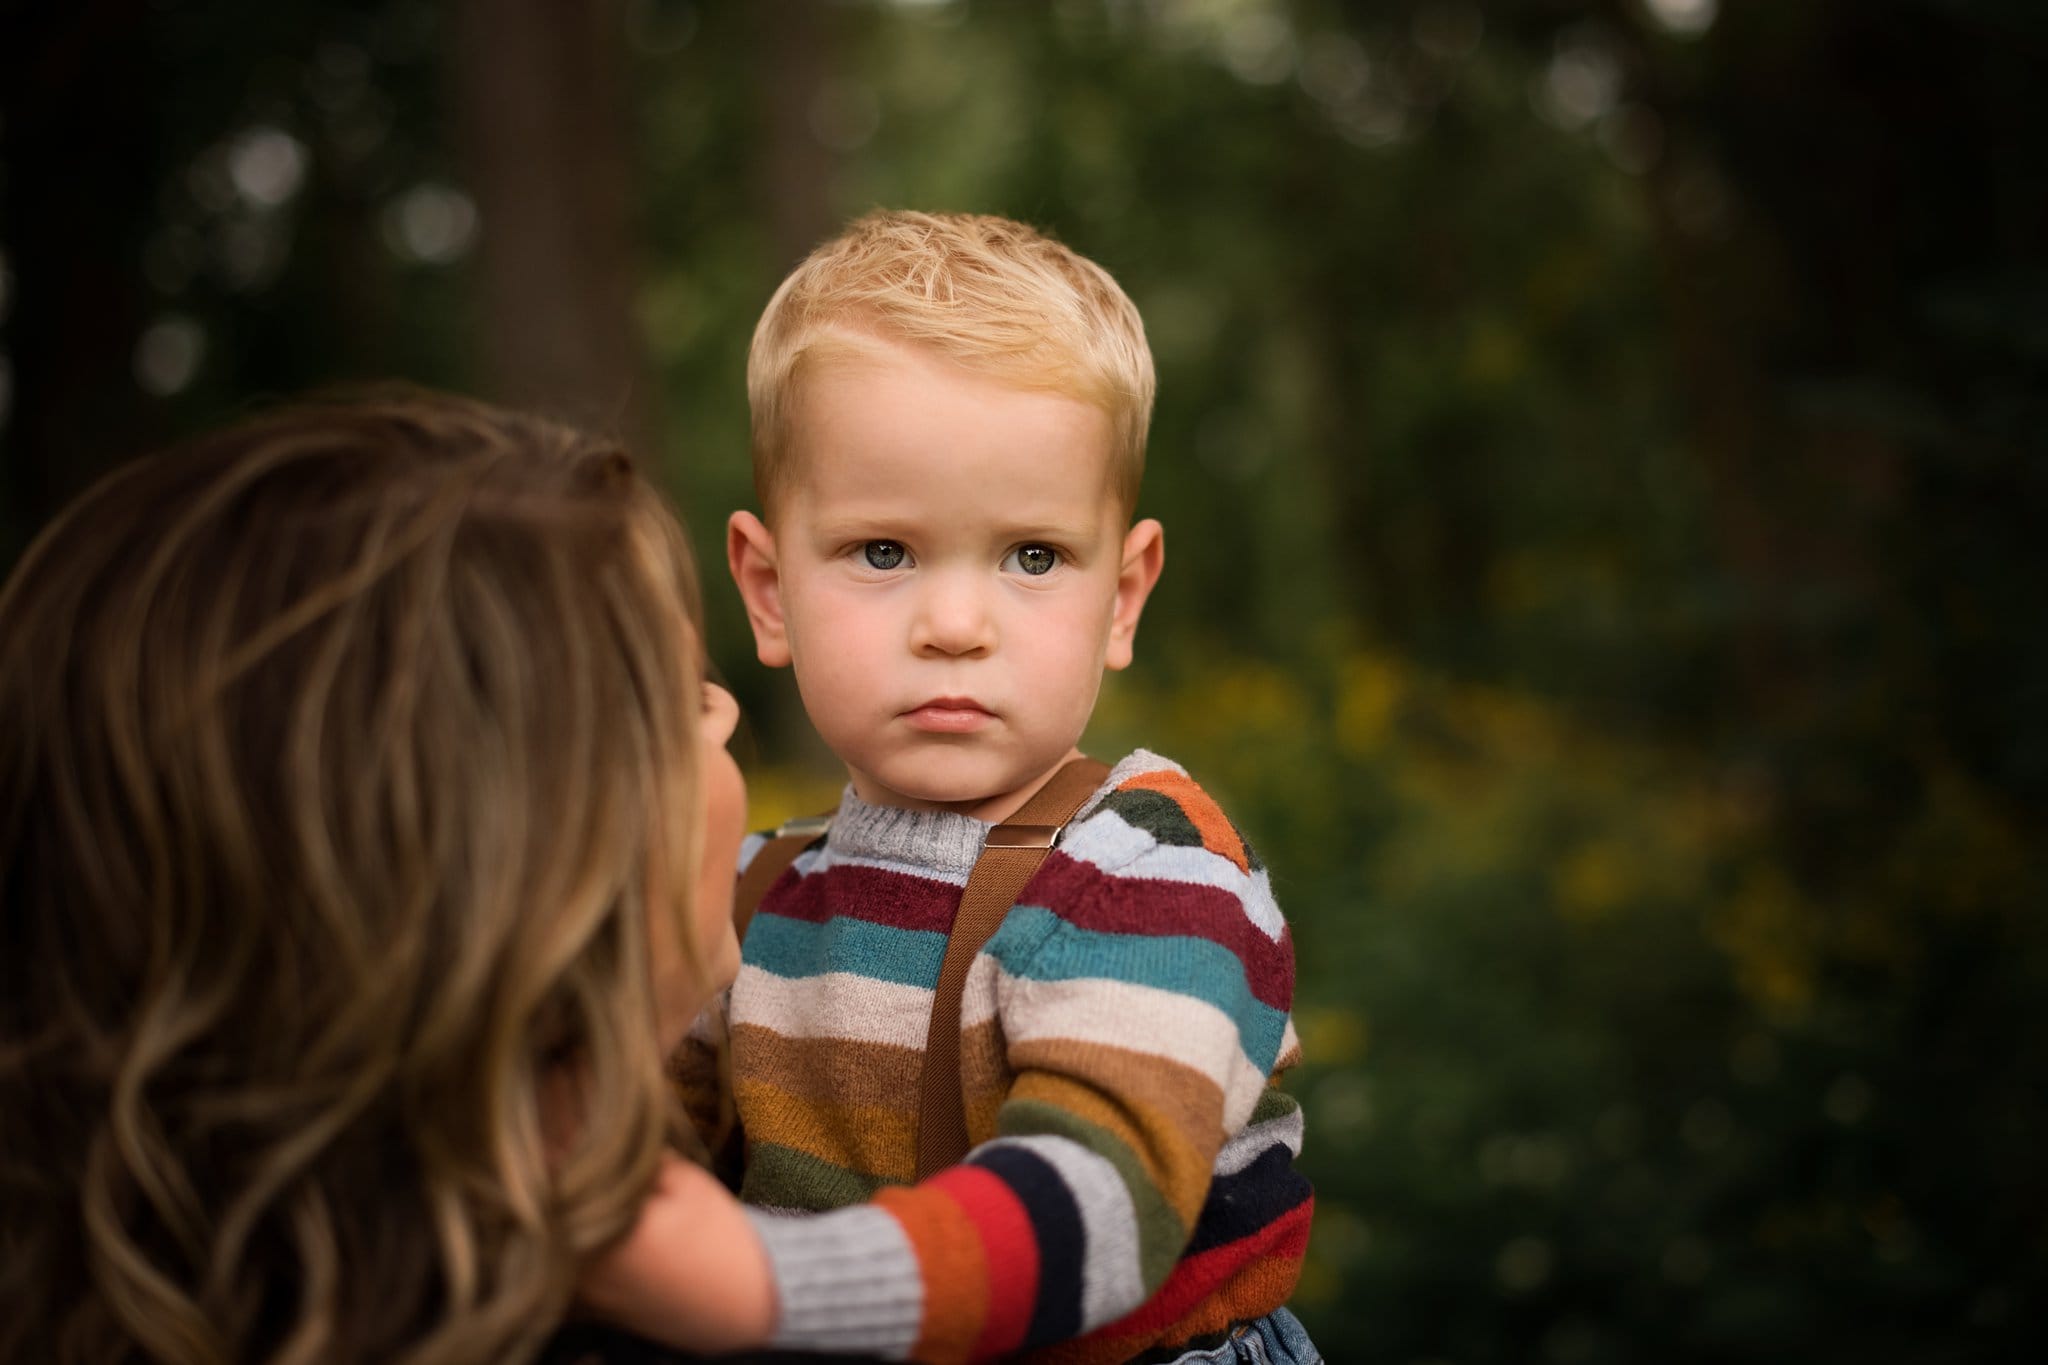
[1602,448]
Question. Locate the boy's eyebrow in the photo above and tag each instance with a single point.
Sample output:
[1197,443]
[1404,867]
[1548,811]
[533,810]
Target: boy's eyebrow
[880,522]
[1049,530]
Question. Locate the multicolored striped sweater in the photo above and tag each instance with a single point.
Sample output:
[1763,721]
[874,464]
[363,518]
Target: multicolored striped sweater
[1131,1183]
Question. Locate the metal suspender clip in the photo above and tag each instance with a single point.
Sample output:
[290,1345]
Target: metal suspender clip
[1022,836]
[809,826]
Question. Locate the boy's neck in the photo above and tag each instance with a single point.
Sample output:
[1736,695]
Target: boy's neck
[992,810]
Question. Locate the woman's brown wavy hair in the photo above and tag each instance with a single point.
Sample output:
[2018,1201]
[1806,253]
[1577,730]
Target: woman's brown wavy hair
[341,757]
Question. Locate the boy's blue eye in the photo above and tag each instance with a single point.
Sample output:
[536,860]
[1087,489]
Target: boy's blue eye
[1035,559]
[883,554]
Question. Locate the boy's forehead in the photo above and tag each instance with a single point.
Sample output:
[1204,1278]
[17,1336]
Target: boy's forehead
[842,350]
[880,392]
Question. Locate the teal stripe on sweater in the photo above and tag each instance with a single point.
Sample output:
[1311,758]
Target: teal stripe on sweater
[797,948]
[1194,967]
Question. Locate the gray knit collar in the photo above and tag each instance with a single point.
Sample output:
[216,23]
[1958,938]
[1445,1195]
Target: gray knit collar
[946,843]
[937,839]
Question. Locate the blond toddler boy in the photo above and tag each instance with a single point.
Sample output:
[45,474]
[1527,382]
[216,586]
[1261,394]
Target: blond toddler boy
[949,422]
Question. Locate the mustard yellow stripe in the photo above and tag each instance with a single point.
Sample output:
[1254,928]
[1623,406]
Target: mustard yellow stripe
[873,1139]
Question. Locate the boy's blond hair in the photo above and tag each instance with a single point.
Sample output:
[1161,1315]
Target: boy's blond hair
[988,293]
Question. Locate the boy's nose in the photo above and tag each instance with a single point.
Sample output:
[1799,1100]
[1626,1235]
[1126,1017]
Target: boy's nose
[952,619]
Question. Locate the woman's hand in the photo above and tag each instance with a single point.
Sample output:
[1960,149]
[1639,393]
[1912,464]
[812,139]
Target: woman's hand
[691,1273]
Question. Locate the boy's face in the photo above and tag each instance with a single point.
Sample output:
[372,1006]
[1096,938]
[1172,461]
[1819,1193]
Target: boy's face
[949,573]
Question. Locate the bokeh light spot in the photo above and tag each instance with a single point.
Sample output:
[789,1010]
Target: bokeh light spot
[267,166]
[1687,18]
[1258,48]
[431,223]
[168,355]
[1582,81]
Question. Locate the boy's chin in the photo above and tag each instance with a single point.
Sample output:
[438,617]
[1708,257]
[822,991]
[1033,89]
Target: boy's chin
[960,784]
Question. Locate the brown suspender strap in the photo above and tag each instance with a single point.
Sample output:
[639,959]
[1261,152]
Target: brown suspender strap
[790,838]
[1010,853]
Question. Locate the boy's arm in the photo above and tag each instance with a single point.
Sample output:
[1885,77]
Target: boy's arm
[692,1271]
[1141,1019]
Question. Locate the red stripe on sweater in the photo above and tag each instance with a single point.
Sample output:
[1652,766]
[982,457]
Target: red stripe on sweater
[877,895]
[1085,896]
[1005,1227]
[1197,1277]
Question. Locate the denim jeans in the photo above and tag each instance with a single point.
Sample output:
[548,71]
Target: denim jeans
[1276,1339]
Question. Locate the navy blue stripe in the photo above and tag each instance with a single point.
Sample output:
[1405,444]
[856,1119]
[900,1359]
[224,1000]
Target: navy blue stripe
[1242,1204]
[1062,1244]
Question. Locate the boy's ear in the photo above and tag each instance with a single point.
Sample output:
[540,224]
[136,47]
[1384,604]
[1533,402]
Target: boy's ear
[750,554]
[1144,557]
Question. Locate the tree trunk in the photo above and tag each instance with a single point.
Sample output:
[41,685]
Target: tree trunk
[541,121]
[796,168]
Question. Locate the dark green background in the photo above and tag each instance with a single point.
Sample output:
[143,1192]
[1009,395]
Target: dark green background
[1603,466]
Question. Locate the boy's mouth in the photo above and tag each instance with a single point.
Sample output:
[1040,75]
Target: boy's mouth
[949,715]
